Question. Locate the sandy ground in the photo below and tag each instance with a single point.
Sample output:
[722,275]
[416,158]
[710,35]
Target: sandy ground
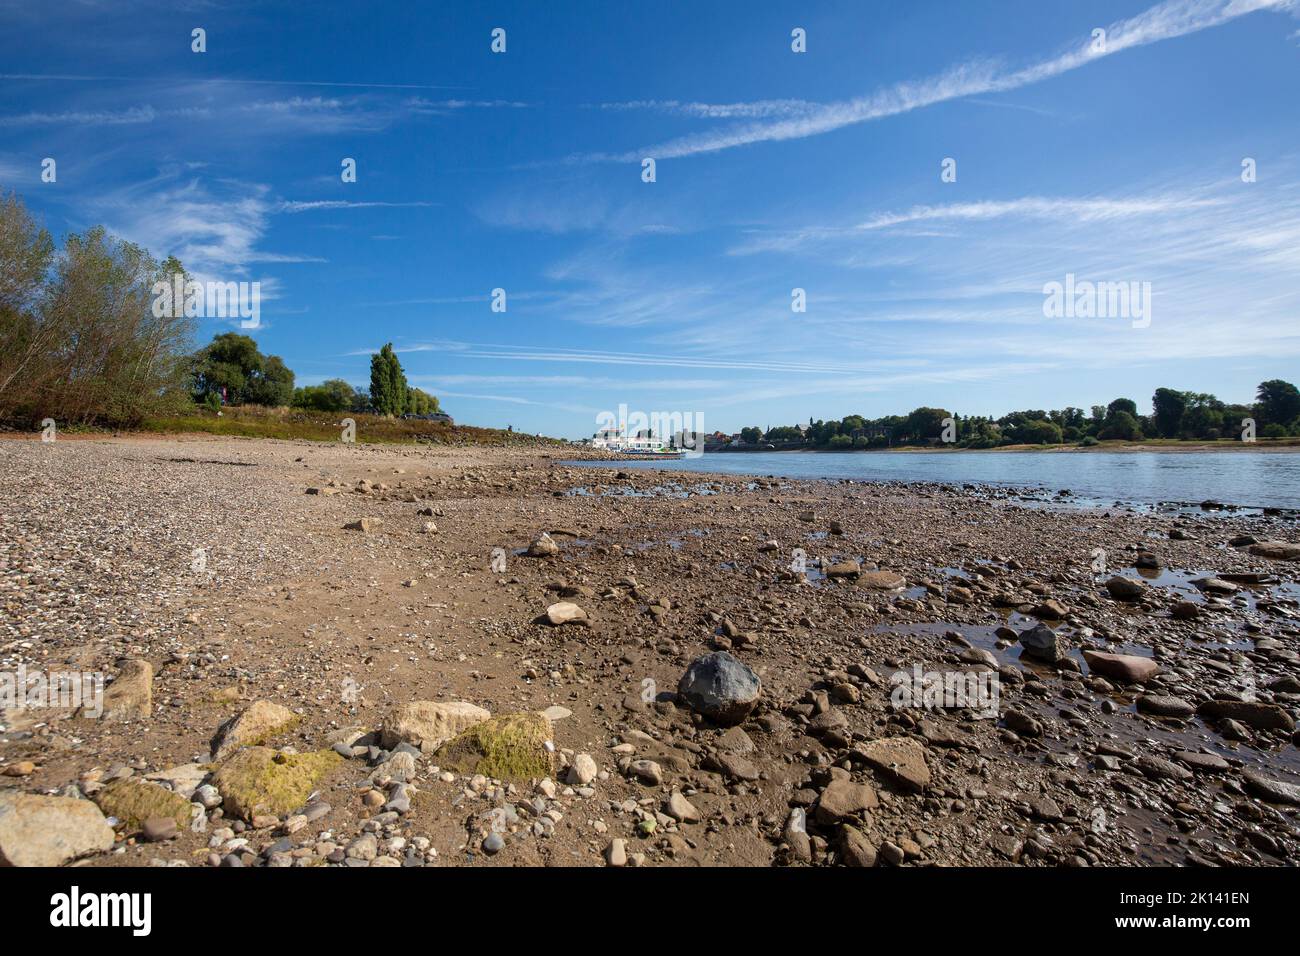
[208,559]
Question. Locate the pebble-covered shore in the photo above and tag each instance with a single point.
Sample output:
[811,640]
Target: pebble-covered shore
[352,655]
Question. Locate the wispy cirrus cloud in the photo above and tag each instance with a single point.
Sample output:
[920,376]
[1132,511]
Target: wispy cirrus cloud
[755,110]
[242,81]
[1043,207]
[226,102]
[1165,21]
[419,104]
[128,117]
[1058,209]
[318,205]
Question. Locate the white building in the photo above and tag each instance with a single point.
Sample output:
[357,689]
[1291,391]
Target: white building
[613,439]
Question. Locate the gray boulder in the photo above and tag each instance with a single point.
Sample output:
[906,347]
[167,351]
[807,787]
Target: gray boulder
[1042,643]
[720,687]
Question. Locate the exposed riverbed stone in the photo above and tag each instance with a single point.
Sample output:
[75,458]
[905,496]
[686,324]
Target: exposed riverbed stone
[509,747]
[843,798]
[900,760]
[1125,667]
[1126,589]
[1042,643]
[428,724]
[1272,789]
[543,546]
[130,696]
[844,569]
[261,720]
[39,830]
[134,801]
[720,687]
[566,612]
[259,780]
[1276,550]
[882,580]
[1164,706]
[1257,714]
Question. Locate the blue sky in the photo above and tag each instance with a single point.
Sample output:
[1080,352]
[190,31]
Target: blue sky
[775,170]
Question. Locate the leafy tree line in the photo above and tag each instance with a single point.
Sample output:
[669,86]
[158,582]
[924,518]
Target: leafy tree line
[1181,415]
[80,341]
[231,370]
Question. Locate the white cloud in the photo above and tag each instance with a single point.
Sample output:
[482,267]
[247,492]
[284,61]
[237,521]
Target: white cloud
[1173,18]
[128,117]
[759,109]
[321,204]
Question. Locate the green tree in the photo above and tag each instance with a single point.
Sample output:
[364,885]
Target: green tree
[420,402]
[1168,406]
[1123,405]
[387,382]
[1039,431]
[927,422]
[26,255]
[1120,425]
[1202,421]
[784,433]
[233,364]
[108,357]
[272,385]
[332,395]
[1279,402]
[751,435]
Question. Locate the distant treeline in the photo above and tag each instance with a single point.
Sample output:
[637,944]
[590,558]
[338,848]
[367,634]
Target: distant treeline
[81,341]
[232,371]
[1176,415]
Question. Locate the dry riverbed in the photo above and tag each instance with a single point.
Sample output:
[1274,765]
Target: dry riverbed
[269,613]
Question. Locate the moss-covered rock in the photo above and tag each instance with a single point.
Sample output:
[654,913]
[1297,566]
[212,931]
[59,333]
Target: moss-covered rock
[512,746]
[259,780]
[135,801]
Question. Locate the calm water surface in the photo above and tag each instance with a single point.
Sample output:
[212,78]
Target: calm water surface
[1254,479]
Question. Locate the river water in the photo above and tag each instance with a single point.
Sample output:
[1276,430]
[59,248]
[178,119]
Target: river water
[1250,479]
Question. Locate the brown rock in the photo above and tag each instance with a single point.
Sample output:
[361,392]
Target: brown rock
[855,848]
[130,696]
[259,721]
[842,799]
[882,580]
[1163,706]
[36,830]
[1123,667]
[1275,791]
[901,760]
[565,612]
[1126,589]
[1255,714]
[844,569]
[429,724]
[1276,550]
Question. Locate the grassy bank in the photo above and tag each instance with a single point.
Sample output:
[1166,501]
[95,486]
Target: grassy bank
[251,421]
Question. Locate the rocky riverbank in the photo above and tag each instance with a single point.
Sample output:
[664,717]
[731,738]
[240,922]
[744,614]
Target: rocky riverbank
[345,655]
